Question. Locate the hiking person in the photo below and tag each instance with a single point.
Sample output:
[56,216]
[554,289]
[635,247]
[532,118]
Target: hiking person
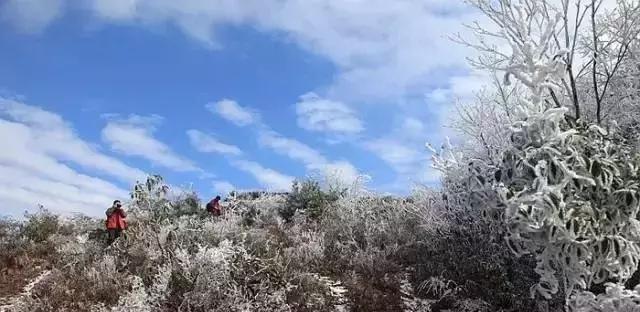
[116,221]
[214,207]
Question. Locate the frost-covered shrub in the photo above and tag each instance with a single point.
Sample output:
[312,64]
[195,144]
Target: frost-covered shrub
[365,241]
[141,298]
[228,278]
[81,286]
[306,249]
[412,303]
[150,199]
[257,209]
[359,256]
[615,298]
[12,245]
[468,246]
[565,191]
[308,197]
[186,203]
[41,225]
[571,197]
[313,292]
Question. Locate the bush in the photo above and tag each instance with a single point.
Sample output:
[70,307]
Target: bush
[307,197]
[41,225]
[360,253]
[80,288]
[558,183]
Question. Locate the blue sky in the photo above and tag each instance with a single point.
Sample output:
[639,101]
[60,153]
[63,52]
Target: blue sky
[221,95]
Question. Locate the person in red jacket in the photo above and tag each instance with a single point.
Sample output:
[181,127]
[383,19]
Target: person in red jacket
[214,206]
[116,221]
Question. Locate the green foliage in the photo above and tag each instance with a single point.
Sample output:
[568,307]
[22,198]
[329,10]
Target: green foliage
[9,229]
[308,197]
[12,243]
[186,204]
[250,215]
[41,225]
[152,198]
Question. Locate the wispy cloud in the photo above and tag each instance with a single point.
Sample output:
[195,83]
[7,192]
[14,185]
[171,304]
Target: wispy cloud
[31,16]
[37,148]
[231,111]
[291,148]
[240,116]
[223,187]
[403,150]
[314,161]
[268,178]
[134,136]
[400,156]
[53,136]
[458,88]
[383,52]
[381,48]
[205,143]
[323,115]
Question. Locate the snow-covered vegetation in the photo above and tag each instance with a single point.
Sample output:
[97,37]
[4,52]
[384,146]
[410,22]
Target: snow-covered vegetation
[315,249]
[537,211]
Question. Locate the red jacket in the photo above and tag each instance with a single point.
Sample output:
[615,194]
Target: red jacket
[214,207]
[116,219]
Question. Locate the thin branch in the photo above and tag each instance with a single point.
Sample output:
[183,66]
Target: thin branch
[595,62]
[584,67]
[555,98]
[578,22]
[574,90]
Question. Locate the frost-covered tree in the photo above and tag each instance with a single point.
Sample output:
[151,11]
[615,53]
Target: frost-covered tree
[566,185]
[597,40]
[484,121]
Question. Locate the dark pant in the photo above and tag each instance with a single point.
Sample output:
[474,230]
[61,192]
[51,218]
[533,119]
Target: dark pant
[113,234]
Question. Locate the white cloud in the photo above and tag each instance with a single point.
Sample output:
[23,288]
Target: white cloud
[31,16]
[134,136]
[223,187]
[57,138]
[381,48]
[28,190]
[33,171]
[231,111]
[342,172]
[403,150]
[459,88]
[383,51]
[314,161]
[402,157]
[116,9]
[205,143]
[323,115]
[20,150]
[439,95]
[291,148]
[269,178]
[413,128]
